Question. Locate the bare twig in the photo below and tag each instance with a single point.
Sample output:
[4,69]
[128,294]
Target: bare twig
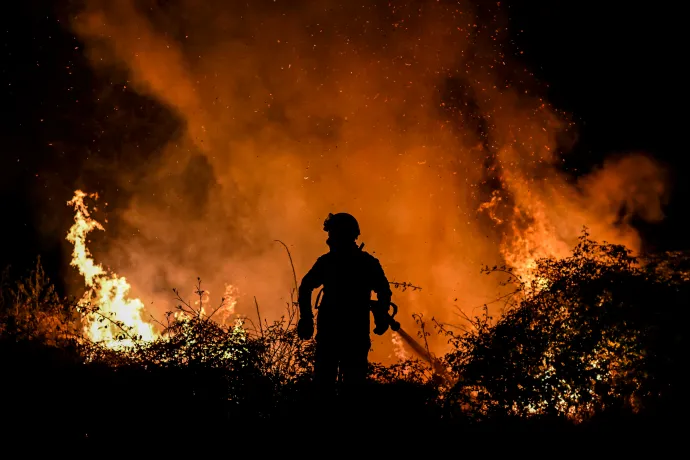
[249,320]
[464,315]
[405,285]
[422,324]
[222,304]
[156,321]
[119,324]
[258,313]
[294,274]
[498,299]
[185,303]
[454,326]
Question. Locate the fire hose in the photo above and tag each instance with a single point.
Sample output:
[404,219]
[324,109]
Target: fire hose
[385,319]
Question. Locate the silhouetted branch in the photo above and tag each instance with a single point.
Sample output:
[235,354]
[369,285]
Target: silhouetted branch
[294,274]
[258,313]
[405,285]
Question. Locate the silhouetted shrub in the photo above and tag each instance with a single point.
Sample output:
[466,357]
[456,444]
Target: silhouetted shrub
[593,337]
[598,331]
[30,309]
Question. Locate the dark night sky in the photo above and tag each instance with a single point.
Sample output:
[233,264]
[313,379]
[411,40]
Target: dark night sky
[616,68]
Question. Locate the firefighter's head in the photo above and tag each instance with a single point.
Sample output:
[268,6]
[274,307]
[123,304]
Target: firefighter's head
[341,228]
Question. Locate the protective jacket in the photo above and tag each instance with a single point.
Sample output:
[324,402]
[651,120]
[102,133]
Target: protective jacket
[348,275]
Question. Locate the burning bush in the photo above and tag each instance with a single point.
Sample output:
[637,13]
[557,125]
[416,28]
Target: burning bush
[30,309]
[598,331]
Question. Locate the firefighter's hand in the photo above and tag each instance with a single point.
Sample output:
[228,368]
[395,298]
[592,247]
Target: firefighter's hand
[305,328]
[381,329]
[382,322]
[381,318]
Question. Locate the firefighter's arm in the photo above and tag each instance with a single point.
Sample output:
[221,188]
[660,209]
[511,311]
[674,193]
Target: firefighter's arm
[381,286]
[311,281]
[383,294]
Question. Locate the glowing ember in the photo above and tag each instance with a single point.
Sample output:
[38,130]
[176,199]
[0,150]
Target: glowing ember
[112,317]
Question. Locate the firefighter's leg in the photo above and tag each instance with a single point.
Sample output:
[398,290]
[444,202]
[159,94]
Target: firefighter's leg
[355,362]
[325,369]
[354,367]
[355,344]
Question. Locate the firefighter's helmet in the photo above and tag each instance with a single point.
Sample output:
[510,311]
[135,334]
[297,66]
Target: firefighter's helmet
[342,225]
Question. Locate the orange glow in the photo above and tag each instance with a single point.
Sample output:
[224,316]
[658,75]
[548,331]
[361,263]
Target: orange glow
[107,292]
[413,118]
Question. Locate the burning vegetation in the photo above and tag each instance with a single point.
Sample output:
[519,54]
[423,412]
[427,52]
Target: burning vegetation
[416,117]
[596,333]
[110,310]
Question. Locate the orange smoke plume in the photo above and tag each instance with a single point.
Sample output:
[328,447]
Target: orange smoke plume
[409,115]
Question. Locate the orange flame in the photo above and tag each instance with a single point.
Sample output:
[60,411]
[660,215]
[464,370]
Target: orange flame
[115,312]
[530,237]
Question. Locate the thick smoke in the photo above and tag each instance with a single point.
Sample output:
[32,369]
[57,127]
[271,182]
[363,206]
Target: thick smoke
[406,114]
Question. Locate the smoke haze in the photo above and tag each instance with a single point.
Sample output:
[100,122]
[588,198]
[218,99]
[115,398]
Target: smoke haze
[413,116]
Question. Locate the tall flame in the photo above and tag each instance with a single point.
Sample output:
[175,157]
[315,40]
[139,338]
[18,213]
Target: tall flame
[530,235]
[113,312]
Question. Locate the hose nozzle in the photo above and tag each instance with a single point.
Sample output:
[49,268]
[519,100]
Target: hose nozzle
[383,318]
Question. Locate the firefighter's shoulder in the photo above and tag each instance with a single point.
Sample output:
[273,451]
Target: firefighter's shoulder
[370,258]
[323,257]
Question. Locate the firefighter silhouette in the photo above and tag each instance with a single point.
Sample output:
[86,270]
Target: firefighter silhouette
[348,275]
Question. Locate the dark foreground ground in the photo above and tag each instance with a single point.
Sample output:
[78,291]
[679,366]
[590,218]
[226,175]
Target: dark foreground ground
[612,330]
[46,394]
